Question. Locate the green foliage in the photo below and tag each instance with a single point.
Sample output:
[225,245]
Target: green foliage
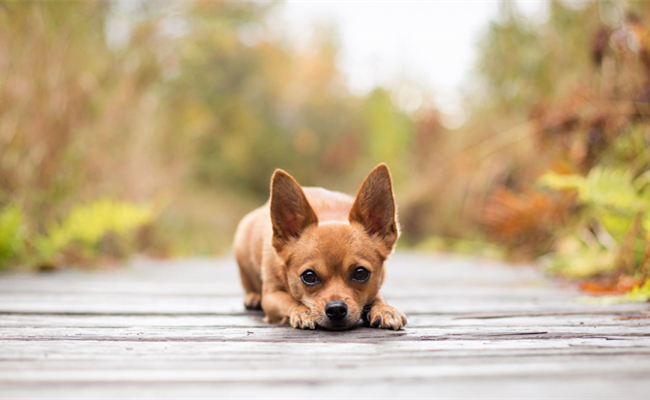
[87,224]
[612,201]
[606,188]
[639,294]
[574,258]
[580,80]
[77,117]
[90,231]
[389,131]
[12,234]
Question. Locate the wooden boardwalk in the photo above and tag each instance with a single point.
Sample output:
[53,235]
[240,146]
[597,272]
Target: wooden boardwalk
[177,329]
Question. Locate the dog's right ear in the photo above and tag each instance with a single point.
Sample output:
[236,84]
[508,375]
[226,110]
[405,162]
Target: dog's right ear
[291,213]
[374,206]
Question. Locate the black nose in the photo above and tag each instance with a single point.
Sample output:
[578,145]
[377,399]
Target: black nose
[336,310]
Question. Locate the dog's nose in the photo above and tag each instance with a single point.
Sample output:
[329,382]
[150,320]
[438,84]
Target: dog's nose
[336,310]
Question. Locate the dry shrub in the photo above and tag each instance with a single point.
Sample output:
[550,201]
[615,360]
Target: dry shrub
[525,221]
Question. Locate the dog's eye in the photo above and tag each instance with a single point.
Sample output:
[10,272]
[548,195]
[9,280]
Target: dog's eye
[309,277]
[361,274]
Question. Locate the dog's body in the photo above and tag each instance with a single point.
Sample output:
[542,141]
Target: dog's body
[312,257]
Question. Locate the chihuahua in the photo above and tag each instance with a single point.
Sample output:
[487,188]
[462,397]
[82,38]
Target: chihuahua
[315,258]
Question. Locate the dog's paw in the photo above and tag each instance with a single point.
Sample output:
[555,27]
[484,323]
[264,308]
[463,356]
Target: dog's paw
[301,318]
[253,301]
[386,317]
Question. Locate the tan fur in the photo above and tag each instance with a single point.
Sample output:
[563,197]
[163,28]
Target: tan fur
[329,233]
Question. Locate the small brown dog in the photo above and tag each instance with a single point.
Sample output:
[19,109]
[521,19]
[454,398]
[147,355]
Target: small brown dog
[315,258]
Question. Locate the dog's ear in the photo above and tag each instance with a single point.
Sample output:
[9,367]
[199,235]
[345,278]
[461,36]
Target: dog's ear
[374,206]
[291,213]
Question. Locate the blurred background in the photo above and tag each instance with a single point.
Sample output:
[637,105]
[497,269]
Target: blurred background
[516,130]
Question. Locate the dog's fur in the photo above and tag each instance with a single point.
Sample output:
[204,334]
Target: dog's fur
[329,233]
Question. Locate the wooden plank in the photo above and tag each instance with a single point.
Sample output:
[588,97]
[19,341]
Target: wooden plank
[319,373]
[638,362]
[448,388]
[217,305]
[178,329]
[275,333]
[102,354]
[315,346]
[255,319]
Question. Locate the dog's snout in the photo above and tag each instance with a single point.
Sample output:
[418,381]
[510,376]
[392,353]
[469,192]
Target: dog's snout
[336,310]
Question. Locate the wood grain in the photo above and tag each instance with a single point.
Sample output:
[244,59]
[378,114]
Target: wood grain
[177,329]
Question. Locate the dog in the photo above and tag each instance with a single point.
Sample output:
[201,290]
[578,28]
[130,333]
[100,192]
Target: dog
[314,258]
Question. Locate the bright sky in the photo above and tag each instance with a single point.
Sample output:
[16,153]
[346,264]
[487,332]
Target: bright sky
[419,46]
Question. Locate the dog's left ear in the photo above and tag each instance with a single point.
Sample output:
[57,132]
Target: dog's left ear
[374,206]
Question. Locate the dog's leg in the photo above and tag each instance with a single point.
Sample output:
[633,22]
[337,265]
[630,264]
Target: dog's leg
[253,297]
[280,307]
[251,284]
[381,315]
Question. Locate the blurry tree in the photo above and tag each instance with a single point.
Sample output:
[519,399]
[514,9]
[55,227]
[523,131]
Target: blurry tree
[75,116]
[188,106]
[256,104]
[523,64]
[581,81]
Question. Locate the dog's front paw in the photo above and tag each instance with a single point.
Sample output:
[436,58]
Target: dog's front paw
[301,318]
[386,317]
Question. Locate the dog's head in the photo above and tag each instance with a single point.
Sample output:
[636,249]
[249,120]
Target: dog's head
[335,269]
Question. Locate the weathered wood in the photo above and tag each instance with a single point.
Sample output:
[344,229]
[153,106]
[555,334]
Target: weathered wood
[233,371]
[50,303]
[279,333]
[103,354]
[255,319]
[448,388]
[177,329]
